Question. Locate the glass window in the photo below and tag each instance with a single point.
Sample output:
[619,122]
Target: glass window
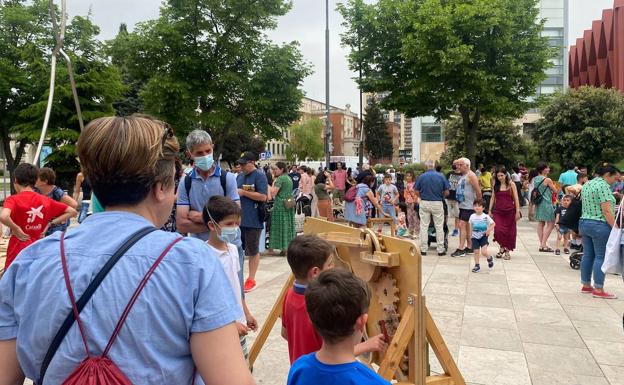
[397,117]
[432,133]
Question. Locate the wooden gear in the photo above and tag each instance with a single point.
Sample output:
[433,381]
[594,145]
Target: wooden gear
[392,268]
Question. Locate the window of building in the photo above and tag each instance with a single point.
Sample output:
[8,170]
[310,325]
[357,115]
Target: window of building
[431,133]
[397,117]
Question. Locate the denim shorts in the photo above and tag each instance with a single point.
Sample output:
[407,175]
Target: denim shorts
[563,230]
[478,243]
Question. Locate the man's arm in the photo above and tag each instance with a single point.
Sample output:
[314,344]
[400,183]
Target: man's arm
[10,369]
[474,181]
[185,224]
[214,365]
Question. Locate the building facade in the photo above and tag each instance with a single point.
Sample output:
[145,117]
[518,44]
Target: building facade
[597,58]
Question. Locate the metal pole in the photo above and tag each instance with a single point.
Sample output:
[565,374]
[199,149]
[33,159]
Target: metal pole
[327,122]
[361,151]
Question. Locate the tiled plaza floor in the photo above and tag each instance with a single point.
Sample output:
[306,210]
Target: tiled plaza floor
[523,322]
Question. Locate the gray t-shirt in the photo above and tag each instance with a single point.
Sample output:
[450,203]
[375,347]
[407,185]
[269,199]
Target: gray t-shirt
[469,193]
[387,193]
[479,225]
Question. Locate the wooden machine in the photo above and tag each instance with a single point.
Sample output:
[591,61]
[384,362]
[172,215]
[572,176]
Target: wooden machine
[392,268]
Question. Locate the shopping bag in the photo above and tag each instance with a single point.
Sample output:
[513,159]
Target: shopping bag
[613,258]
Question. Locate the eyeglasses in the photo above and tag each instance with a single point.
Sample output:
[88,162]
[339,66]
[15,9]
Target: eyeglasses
[167,134]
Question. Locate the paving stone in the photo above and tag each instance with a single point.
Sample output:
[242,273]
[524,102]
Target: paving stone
[493,367]
[490,300]
[488,316]
[586,313]
[550,335]
[599,330]
[490,337]
[558,359]
[607,353]
[615,374]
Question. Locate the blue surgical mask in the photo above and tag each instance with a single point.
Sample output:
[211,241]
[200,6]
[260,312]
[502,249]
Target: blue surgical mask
[229,234]
[205,162]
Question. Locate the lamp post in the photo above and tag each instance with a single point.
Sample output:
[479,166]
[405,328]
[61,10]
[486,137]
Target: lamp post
[327,122]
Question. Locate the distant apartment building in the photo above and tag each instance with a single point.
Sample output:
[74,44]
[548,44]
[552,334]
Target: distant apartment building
[345,131]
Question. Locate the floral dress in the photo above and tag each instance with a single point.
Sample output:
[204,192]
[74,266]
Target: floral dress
[282,229]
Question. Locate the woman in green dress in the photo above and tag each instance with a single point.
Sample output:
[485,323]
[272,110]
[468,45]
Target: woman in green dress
[544,210]
[282,218]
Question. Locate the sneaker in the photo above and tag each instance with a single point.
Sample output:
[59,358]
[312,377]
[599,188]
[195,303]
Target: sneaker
[250,285]
[603,294]
[557,252]
[423,253]
[587,290]
[458,253]
[476,269]
[490,262]
[566,251]
[468,251]
[455,233]
[443,254]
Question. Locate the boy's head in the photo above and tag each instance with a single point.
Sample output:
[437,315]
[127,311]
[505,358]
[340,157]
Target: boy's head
[337,303]
[25,176]
[222,216]
[47,176]
[582,178]
[387,178]
[566,200]
[308,255]
[478,205]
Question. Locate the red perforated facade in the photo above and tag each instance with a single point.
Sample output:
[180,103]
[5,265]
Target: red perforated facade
[597,59]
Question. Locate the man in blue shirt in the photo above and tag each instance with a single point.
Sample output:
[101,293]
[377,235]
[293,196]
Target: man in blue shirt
[568,178]
[252,189]
[431,187]
[205,182]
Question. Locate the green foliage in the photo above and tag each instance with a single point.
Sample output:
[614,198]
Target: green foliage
[305,141]
[377,140]
[438,58]
[584,126]
[239,140]
[209,64]
[500,142]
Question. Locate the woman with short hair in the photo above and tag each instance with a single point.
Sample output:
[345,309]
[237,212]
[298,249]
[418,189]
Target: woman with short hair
[597,219]
[186,308]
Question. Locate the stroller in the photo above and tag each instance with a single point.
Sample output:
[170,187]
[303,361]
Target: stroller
[571,221]
[576,256]
[431,233]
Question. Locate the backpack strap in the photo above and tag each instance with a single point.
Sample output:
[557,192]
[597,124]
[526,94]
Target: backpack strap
[136,294]
[188,182]
[77,306]
[223,178]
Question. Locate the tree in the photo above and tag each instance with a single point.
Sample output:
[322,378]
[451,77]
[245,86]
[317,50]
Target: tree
[500,142]
[239,140]
[584,126]
[377,140]
[306,141]
[209,65]
[475,58]
[24,38]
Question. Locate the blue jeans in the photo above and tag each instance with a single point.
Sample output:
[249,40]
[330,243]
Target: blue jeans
[389,209]
[595,236]
[84,208]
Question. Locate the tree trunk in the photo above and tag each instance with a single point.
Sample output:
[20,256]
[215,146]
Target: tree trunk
[471,125]
[11,161]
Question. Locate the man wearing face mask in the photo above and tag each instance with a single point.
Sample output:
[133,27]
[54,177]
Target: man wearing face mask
[253,189]
[206,180]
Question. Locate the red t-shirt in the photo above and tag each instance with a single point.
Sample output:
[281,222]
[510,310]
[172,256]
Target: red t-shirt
[32,212]
[302,338]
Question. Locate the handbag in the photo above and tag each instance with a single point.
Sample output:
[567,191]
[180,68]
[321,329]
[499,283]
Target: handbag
[613,258]
[289,203]
[299,218]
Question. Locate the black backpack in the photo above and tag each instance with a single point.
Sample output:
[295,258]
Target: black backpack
[536,195]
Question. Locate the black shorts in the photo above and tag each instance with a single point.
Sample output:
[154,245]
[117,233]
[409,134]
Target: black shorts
[478,243]
[464,214]
[251,240]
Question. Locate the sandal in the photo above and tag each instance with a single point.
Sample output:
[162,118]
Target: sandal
[507,257]
[557,252]
[566,251]
[545,250]
[500,253]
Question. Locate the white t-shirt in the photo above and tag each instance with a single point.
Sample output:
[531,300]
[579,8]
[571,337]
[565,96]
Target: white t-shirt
[231,266]
[515,177]
[479,224]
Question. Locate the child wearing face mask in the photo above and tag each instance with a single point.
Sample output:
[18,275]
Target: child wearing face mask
[222,216]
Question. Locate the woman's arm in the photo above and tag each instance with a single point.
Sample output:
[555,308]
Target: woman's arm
[374,201]
[79,179]
[516,199]
[10,369]
[492,200]
[606,211]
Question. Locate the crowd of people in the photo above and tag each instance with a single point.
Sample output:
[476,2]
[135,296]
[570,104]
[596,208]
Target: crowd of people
[154,280]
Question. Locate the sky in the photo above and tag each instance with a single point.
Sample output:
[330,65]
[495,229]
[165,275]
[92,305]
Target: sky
[306,24]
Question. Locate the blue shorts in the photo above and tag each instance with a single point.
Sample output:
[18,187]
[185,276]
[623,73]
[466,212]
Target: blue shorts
[478,243]
[563,230]
[388,209]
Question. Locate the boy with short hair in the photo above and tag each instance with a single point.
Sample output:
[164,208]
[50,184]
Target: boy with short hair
[222,216]
[308,256]
[480,226]
[29,214]
[388,196]
[337,303]
[562,231]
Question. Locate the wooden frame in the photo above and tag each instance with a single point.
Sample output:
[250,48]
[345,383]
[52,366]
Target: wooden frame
[367,258]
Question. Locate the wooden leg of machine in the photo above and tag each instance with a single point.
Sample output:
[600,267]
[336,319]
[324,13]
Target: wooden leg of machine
[398,345]
[266,328]
[452,373]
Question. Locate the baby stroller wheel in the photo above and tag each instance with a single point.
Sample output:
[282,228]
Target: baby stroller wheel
[575,260]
